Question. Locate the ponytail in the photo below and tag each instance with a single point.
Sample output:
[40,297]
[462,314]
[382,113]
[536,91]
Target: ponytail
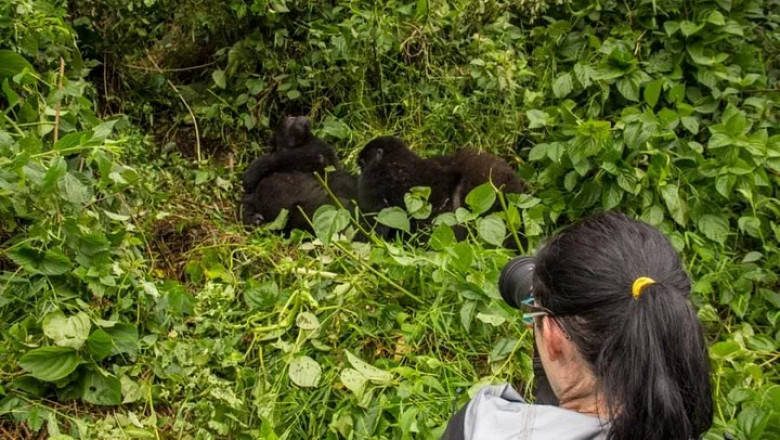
[646,350]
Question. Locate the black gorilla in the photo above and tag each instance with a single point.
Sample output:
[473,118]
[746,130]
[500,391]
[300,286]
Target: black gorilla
[390,169]
[294,148]
[295,191]
[476,168]
[284,178]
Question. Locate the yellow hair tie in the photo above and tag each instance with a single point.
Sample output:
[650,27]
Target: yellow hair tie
[640,284]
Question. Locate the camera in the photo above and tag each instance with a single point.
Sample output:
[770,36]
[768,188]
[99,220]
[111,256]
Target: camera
[516,282]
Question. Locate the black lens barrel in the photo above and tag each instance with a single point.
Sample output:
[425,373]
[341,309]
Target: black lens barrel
[516,282]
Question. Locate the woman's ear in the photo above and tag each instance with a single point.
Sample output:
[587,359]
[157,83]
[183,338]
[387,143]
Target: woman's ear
[553,338]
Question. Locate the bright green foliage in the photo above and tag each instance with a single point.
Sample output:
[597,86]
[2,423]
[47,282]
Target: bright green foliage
[128,282]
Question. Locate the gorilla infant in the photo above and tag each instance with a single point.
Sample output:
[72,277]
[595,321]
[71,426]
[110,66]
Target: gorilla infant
[284,178]
[294,148]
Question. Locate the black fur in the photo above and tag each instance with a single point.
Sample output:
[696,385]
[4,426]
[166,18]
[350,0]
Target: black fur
[390,169]
[292,191]
[295,148]
[284,178]
[476,168]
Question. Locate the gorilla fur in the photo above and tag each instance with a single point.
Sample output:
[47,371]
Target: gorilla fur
[295,192]
[284,178]
[390,169]
[294,148]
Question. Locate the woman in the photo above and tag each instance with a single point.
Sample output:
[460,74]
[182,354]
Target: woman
[619,342]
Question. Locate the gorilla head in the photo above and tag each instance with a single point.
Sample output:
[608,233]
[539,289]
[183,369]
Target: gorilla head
[293,132]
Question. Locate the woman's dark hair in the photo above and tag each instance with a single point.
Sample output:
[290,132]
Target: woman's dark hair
[648,354]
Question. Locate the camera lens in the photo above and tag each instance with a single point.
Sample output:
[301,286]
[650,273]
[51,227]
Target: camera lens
[516,283]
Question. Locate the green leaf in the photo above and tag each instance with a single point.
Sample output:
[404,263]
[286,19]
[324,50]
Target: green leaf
[329,220]
[689,28]
[50,364]
[395,218]
[372,373]
[261,296]
[653,91]
[304,372]
[676,206]
[219,78]
[354,381]
[442,238]
[98,389]
[71,331]
[691,124]
[725,349]
[74,191]
[714,227]
[537,118]
[11,96]
[481,198]
[125,339]
[750,225]
[492,230]
[563,85]
[307,321]
[99,344]
[11,64]
[45,263]
[629,88]
[57,169]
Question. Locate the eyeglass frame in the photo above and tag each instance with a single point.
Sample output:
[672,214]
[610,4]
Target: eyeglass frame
[537,311]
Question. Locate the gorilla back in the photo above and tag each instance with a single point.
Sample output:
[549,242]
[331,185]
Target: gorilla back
[295,192]
[391,169]
[294,148]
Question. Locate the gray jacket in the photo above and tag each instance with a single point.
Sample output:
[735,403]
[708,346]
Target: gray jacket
[498,412]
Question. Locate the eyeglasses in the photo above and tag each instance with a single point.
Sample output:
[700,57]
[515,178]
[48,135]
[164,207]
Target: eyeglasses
[533,310]
[536,311]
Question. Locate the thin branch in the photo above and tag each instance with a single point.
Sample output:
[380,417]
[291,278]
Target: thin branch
[59,104]
[184,101]
[180,69]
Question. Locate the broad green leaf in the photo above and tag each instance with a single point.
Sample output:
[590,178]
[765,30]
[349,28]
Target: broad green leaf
[725,349]
[57,169]
[98,389]
[629,88]
[481,198]
[71,331]
[354,380]
[304,372]
[329,220]
[372,373]
[691,124]
[50,364]
[261,296]
[307,321]
[219,78]
[493,320]
[714,227]
[125,339]
[492,230]
[74,191]
[46,263]
[563,85]
[99,344]
[394,217]
[689,28]
[676,206]
[750,225]
[653,91]
[11,64]
[538,119]
[442,238]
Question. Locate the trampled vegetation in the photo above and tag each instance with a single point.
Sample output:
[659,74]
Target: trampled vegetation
[133,304]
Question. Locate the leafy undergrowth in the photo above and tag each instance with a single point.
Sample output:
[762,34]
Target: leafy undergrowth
[134,305]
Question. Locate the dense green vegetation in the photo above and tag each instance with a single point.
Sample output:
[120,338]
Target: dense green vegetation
[134,305]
